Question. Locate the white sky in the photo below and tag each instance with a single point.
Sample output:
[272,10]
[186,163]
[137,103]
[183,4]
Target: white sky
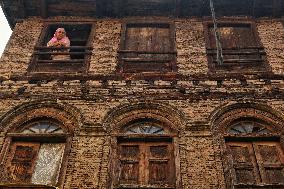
[5,31]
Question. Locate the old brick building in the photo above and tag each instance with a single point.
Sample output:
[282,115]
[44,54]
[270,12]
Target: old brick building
[142,101]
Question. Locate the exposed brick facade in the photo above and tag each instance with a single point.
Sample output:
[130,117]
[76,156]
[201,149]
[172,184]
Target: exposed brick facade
[191,102]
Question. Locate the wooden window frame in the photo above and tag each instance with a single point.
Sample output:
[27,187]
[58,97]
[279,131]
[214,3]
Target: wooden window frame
[84,65]
[123,50]
[114,166]
[252,140]
[251,66]
[12,137]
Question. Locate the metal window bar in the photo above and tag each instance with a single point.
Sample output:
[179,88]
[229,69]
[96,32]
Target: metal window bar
[217,35]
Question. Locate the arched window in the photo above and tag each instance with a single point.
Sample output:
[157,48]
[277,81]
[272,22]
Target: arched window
[255,153]
[145,156]
[35,153]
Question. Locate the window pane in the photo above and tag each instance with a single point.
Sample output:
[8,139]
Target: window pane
[145,129]
[43,127]
[48,164]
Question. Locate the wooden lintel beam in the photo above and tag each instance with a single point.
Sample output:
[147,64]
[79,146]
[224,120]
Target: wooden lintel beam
[253,8]
[43,9]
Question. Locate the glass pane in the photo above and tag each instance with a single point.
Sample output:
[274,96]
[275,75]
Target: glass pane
[248,127]
[48,164]
[145,129]
[43,127]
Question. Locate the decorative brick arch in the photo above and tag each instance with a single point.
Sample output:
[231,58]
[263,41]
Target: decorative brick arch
[165,114]
[225,117]
[65,116]
[69,116]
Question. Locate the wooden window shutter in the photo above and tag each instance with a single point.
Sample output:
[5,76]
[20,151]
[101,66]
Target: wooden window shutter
[21,161]
[234,37]
[270,160]
[129,164]
[161,169]
[244,163]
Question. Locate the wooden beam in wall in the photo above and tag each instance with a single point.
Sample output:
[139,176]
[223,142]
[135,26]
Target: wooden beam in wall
[43,9]
[276,9]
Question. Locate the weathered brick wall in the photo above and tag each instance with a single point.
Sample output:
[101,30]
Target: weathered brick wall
[106,44]
[190,44]
[19,50]
[196,98]
[271,33]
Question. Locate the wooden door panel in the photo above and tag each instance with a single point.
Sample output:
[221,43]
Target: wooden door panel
[129,164]
[269,156]
[22,160]
[244,162]
[146,163]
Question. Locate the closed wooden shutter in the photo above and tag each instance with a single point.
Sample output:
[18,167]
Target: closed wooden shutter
[21,161]
[244,162]
[161,169]
[234,37]
[270,160]
[236,42]
[129,164]
[147,164]
[150,39]
[145,43]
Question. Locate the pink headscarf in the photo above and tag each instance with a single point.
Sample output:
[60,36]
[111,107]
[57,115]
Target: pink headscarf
[65,40]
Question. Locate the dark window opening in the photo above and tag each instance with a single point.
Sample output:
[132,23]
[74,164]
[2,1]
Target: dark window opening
[72,58]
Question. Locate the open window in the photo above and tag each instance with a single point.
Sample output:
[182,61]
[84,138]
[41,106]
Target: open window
[74,58]
[241,47]
[145,157]
[147,47]
[255,155]
[35,153]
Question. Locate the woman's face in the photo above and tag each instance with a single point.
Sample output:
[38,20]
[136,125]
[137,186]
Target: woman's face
[60,34]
